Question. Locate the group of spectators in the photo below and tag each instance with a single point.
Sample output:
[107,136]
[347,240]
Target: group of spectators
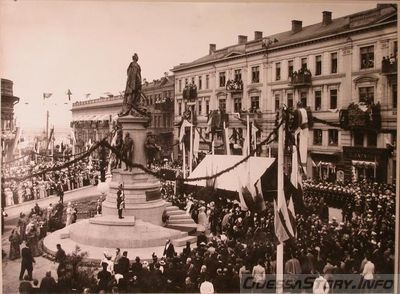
[78,175]
[234,244]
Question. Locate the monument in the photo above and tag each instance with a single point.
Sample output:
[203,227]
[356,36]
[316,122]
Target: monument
[141,225]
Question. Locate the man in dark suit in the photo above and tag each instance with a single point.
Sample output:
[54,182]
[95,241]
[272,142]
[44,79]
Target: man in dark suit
[120,200]
[169,250]
[26,262]
[123,265]
[48,284]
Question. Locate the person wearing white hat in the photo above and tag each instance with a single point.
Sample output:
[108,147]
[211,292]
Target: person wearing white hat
[107,260]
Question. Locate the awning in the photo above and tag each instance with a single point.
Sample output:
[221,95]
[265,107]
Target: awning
[213,164]
[364,163]
[91,117]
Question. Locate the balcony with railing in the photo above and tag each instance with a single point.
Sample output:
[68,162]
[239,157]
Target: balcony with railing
[389,65]
[190,92]
[301,78]
[234,86]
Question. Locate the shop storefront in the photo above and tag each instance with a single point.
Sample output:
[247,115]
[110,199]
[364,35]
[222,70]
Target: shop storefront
[366,163]
[324,166]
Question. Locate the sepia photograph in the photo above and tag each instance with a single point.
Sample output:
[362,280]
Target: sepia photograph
[199,147]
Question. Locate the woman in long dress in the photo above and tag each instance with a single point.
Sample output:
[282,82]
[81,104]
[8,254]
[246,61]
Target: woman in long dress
[21,193]
[15,242]
[202,222]
[69,214]
[32,238]
[9,196]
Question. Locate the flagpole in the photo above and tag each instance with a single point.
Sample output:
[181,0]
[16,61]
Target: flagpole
[212,143]
[279,249]
[184,160]
[191,150]
[228,150]
[73,142]
[248,136]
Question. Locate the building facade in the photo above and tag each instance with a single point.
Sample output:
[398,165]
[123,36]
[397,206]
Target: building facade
[348,63]
[8,127]
[92,119]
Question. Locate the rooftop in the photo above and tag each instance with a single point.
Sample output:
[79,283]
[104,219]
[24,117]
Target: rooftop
[356,21]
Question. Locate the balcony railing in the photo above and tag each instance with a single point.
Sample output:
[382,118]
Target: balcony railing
[389,65]
[234,86]
[360,116]
[300,78]
[190,92]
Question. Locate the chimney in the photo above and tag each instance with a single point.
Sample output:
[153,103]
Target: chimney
[213,47]
[326,17]
[242,39]
[258,35]
[296,26]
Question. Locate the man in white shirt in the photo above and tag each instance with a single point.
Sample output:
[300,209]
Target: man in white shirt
[206,287]
[258,273]
[321,285]
[369,270]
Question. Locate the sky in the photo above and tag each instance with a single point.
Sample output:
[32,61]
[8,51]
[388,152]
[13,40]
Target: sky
[86,46]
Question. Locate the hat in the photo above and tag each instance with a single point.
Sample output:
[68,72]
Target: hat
[162,262]
[107,254]
[145,264]
[203,243]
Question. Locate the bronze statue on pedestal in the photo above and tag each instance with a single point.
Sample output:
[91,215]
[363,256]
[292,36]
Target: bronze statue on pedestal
[133,90]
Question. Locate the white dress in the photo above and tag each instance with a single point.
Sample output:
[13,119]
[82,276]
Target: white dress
[69,216]
[9,197]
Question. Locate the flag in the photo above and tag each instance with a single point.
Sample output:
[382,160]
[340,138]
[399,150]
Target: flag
[114,139]
[185,124]
[73,139]
[196,143]
[226,131]
[254,131]
[250,191]
[302,137]
[47,95]
[283,220]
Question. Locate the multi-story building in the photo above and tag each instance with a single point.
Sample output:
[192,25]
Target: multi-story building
[326,66]
[92,119]
[8,127]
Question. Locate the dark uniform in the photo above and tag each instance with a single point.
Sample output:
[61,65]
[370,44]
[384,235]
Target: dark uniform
[120,201]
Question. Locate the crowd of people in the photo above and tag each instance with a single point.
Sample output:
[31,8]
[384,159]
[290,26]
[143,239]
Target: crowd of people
[75,176]
[233,244]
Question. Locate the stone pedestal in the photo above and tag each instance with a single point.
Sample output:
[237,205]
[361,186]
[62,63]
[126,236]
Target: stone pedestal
[141,225]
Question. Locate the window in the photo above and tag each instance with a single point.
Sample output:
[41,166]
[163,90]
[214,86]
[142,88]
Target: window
[358,139]
[237,105]
[317,140]
[277,102]
[304,63]
[238,74]
[290,100]
[334,62]
[290,67]
[255,103]
[193,81]
[333,99]
[318,65]
[303,99]
[199,106]
[186,82]
[222,104]
[200,82]
[394,96]
[207,106]
[371,140]
[318,102]
[367,57]
[277,71]
[222,80]
[255,74]
[207,81]
[180,86]
[333,136]
[366,94]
